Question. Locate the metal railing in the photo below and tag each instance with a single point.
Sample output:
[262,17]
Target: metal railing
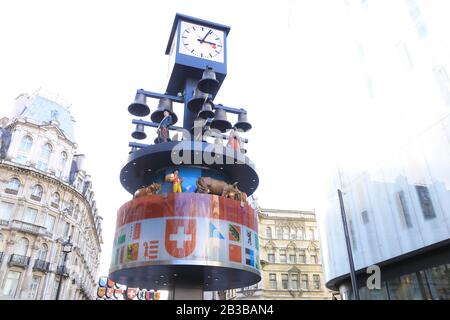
[41,265]
[19,260]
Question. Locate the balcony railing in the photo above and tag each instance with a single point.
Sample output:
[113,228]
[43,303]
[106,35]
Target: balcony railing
[19,260]
[41,265]
[62,271]
[4,222]
[30,228]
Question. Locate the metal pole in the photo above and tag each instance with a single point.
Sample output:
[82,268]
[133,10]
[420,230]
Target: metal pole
[349,247]
[61,276]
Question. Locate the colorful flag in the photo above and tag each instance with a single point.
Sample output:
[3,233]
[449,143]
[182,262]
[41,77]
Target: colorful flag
[136,231]
[121,239]
[141,294]
[256,241]
[248,235]
[122,252]
[131,293]
[110,283]
[234,232]
[180,237]
[103,281]
[133,251]
[101,291]
[249,257]
[235,253]
[118,293]
[110,292]
[214,232]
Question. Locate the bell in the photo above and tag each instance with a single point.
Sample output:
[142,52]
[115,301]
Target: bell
[139,107]
[139,132]
[220,121]
[196,103]
[208,83]
[206,111]
[164,104]
[243,123]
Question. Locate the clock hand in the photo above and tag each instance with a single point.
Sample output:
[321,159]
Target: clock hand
[203,40]
[211,43]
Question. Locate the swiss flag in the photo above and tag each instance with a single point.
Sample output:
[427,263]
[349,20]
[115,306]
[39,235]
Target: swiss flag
[180,237]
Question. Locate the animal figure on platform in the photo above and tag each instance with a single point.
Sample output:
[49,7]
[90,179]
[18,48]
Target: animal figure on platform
[146,191]
[220,188]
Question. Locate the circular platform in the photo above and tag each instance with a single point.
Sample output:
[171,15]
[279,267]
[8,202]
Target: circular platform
[188,237]
[145,163]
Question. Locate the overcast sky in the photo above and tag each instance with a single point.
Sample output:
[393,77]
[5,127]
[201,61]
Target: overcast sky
[292,64]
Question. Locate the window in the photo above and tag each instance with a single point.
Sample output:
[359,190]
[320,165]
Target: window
[55,287]
[310,234]
[44,158]
[25,144]
[404,210]
[365,217]
[302,257]
[300,234]
[70,207]
[425,202]
[50,223]
[273,280]
[271,257]
[36,193]
[314,258]
[1,243]
[66,229]
[269,233]
[294,281]
[284,281]
[304,279]
[30,215]
[34,287]
[292,258]
[56,199]
[6,210]
[282,256]
[13,186]
[62,163]
[10,286]
[42,254]
[286,233]
[279,233]
[293,233]
[77,212]
[22,247]
[316,281]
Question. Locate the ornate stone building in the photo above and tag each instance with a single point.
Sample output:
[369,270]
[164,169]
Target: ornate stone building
[291,266]
[45,198]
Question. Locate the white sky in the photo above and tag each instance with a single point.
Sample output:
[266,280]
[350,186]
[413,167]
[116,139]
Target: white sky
[292,64]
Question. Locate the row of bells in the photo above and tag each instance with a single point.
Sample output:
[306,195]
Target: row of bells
[199,103]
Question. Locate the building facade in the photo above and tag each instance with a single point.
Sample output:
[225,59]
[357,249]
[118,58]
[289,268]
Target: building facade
[45,198]
[290,257]
[397,192]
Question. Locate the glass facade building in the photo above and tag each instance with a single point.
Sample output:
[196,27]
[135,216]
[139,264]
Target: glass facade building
[396,179]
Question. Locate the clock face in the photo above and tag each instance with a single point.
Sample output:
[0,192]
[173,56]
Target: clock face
[202,42]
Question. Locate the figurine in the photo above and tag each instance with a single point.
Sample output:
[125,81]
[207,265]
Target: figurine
[163,128]
[176,181]
[234,141]
[220,188]
[146,191]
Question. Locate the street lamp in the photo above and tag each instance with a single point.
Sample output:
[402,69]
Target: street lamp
[67,248]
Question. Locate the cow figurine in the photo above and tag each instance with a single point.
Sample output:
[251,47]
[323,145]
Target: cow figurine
[220,188]
[146,191]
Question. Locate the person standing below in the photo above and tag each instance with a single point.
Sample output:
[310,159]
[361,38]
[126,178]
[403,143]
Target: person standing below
[163,128]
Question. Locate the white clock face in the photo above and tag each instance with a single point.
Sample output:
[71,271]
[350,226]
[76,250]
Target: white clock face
[202,42]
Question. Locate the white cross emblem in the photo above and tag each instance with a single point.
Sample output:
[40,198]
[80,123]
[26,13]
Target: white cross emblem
[180,237]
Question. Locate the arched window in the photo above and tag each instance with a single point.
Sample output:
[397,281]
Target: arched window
[44,157]
[25,144]
[22,247]
[279,233]
[70,207]
[269,233]
[42,255]
[13,186]
[36,192]
[56,199]
[293,233]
